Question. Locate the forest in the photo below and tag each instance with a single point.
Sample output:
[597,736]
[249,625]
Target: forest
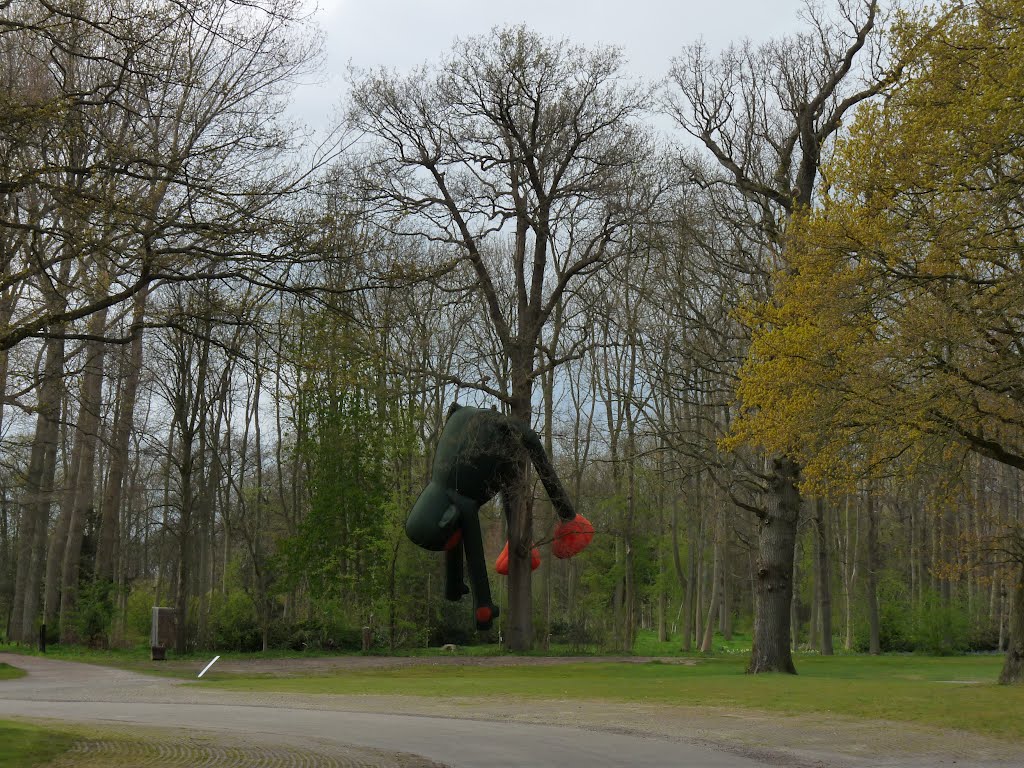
[765,314]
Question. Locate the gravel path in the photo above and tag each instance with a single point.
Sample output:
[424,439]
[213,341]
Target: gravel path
[383,730]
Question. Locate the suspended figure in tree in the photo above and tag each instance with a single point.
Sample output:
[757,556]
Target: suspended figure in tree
[478,456]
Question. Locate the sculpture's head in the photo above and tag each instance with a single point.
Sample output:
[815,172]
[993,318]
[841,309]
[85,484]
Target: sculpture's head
[434,518]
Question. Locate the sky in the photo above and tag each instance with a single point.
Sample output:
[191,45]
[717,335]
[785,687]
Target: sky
[401,34]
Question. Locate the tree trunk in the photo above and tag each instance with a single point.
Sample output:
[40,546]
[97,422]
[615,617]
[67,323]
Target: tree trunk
[794,603]
[59,538]
[548,382]
[684,582]
[691,594]
[824,590]
[814,628]
[123,424]
[851,545]
[709,624]
[725,604]
[7,546]
[519,624]
[700,594]
[1013,666]
[662,571]
[82,493]
[776,540]
[875,645]
[35,515]
[629,619]
[184,548]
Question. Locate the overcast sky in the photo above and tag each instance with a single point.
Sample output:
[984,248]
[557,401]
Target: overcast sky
[403,33]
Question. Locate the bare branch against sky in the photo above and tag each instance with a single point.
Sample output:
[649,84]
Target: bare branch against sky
[403,33]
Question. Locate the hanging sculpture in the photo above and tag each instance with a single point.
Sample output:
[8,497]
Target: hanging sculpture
[478,456]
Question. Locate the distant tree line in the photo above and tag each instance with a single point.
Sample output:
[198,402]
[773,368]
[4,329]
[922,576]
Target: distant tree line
[776,357]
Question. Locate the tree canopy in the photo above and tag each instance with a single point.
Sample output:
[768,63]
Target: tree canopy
[897,324]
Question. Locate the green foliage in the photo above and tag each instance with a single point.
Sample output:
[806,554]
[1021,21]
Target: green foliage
[139,613]
[895,618]
[94,612]
[930,627]
[233,624]
[983,636]
[940,629]
[580,632]
[329,628]
[902,278]
[351,436]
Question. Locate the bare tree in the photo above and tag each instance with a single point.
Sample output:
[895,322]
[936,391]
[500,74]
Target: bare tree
[506,138]
[764,116]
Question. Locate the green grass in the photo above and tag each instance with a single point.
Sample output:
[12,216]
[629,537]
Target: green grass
[23,745]
[7,672]
[647,644]
[138,658]
[900,688]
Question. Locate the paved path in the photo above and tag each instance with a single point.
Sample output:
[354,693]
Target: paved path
[83,693]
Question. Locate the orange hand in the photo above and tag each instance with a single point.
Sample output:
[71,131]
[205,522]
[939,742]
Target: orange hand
[572,537]
[501,564]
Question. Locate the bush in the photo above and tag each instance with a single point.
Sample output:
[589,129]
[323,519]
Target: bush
[94,612]
[139,613]
[330,627]
[580,632]
[929,627]
[895,628]
[323,633]
[940,630]
[232,623]
[983,637]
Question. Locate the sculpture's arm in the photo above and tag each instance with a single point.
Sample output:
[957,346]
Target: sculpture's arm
[548,476]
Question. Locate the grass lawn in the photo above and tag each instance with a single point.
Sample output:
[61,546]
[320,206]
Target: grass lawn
[954,692]
[138,658]
[23,745]
[7,672]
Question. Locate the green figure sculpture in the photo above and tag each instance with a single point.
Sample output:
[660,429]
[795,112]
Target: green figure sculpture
[477,456]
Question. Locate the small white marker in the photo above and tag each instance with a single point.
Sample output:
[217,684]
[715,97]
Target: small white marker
[209,665]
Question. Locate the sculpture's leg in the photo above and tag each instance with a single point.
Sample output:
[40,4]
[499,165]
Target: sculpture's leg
[485,610]
[454,586]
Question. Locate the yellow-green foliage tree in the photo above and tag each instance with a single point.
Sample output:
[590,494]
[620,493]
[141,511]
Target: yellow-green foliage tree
[899,325]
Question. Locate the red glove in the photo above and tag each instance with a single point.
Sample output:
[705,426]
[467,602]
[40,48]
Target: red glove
[501,564]
[572,537]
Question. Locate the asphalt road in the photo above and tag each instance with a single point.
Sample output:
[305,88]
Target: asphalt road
[81,693]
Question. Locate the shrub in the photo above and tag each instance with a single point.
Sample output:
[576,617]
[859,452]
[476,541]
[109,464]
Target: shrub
[983,637]
[330,627]
[139,613]
[895,626]
[579,631]
[940,629]
[232,624]
[94,612]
